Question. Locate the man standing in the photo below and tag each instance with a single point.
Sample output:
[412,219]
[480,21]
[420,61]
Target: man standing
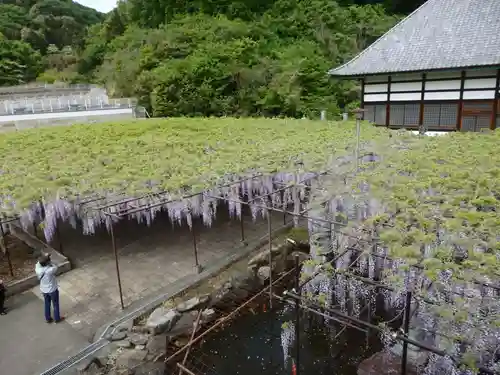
[46,273]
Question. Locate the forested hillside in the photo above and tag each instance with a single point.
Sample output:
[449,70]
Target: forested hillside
[31,29]
[203,57]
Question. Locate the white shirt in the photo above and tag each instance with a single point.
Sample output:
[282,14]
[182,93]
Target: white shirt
[47,277]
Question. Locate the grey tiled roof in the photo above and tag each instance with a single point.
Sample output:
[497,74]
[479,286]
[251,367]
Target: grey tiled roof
[441,34]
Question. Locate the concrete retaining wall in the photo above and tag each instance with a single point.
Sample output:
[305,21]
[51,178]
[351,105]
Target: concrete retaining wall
[67,119]
[39,247]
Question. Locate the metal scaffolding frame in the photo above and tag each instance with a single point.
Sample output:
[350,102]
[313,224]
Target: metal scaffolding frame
[3,221]
[164,198]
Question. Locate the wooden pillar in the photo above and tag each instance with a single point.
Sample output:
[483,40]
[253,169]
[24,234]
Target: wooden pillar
[461,101]
[388,105]
[496,103]
[422,98]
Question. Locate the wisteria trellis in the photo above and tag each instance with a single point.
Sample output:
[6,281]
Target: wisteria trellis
[471,309]
[203,205]
[457,316]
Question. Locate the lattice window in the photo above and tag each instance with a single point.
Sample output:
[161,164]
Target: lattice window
[397,114]
[468,124]
[482,122]
[380,114]
[369,114]
[431,114]
[412,113]
[449,114]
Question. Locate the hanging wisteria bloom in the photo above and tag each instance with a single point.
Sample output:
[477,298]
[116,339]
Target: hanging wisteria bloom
[287,339]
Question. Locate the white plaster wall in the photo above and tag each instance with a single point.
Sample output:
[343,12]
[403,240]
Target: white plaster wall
[480,83]
[447,89]
[376,98]
[442,85]
[483,94]
[443,95]
[406,86]
[377,87]
[411,96]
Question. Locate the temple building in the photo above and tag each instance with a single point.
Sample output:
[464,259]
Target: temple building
[436,70]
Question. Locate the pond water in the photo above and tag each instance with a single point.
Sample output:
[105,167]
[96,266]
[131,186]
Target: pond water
[251,344]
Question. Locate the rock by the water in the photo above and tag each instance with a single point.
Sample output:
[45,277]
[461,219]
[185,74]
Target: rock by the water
[157,345]
[123,344]
[138,339]
[383,363]
[130,358]
[259,259]
[181,341]
[142,329]
[118,336]
[221,293]
[208,315]
[193,303]
[162,320]
[263,273]
[184,325]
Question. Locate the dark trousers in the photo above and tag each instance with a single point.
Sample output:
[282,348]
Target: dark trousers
[2,300]
[52,299]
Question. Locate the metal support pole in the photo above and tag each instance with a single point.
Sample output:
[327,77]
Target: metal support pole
[59,239]
[406,329]
[369,318]
[195,248]
[242,227]
[183,368]
[113,243]
[7,252]
[42,213]
[358,131]
[269,238]
[297,316]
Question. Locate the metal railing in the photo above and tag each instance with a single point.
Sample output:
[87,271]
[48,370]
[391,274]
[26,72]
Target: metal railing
[63,104]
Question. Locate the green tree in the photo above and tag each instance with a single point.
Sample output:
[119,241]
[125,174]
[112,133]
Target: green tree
[12,20]
[244,58]
[19,63]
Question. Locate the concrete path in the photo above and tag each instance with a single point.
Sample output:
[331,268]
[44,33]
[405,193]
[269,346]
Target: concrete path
[28,345]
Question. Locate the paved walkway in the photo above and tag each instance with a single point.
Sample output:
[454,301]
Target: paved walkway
[28,345]
[150,258]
